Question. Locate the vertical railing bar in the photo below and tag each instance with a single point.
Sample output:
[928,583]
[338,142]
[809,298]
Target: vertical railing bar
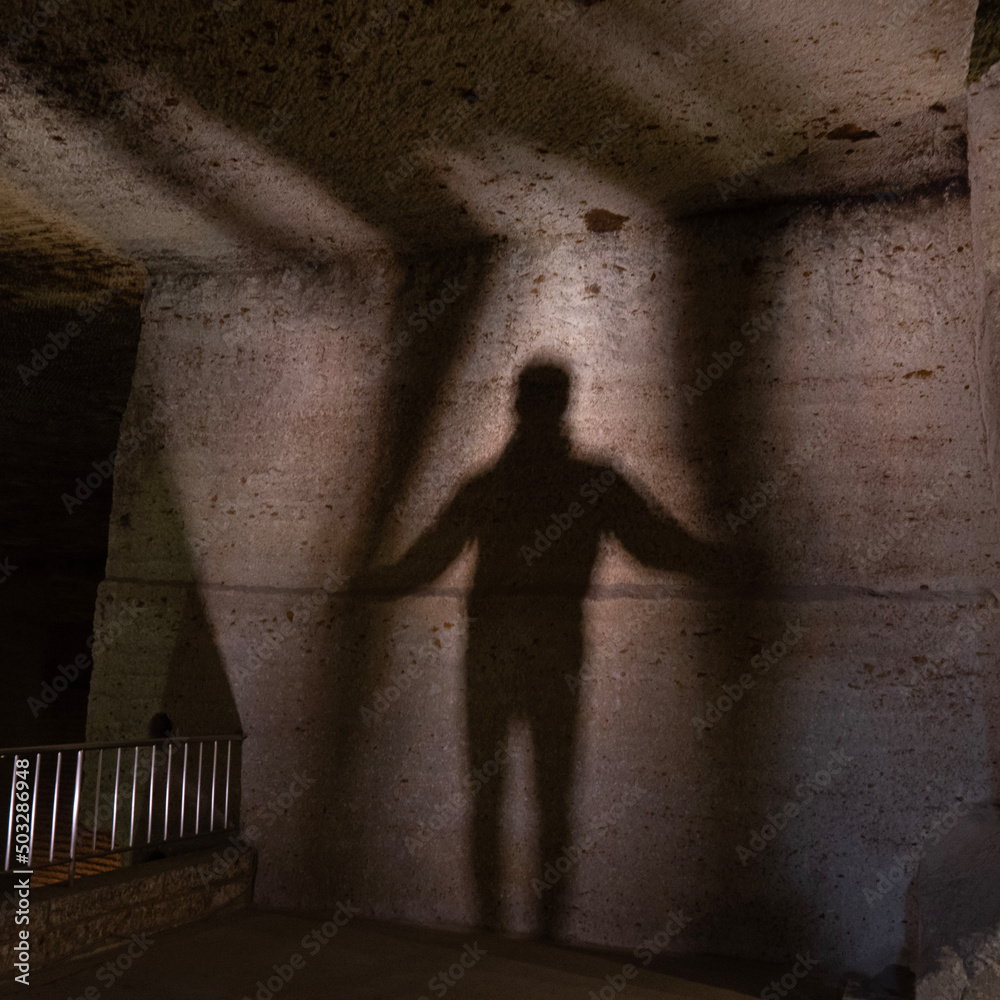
[184,778]
[76,814]
[34,806]
[55,806]
[135,779]
[215,763]
[97,796]
[229,757]
[152,770]
[75,819]
[197,804]
[114,805]
[10,817]
[166,797]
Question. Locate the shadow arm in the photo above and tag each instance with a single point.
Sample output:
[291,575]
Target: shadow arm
[654,537]
[430,555]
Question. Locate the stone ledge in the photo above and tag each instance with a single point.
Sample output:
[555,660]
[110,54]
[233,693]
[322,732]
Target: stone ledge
[100,912]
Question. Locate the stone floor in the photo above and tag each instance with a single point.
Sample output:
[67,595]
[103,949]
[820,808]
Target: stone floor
[235,958]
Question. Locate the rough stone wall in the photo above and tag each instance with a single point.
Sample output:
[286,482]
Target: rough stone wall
[290,434]
[307,439]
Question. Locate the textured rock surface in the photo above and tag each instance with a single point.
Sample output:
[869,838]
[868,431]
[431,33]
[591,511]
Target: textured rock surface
[259,124]
[948,979]
[353,253]
[278,460]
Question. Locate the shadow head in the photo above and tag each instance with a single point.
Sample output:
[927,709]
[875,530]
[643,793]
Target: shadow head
[542,395]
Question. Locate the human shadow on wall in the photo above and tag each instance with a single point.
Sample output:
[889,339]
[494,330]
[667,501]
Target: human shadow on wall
[537,517]
[546,100]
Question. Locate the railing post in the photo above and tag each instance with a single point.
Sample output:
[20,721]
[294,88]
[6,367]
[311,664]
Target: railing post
[114,806]
[97,796]
[135,780]
[166,797]
[215,767]
[55,806]
[152,770]
[76,814]
[78,818]
[229,757]
[197,805]
[184,778]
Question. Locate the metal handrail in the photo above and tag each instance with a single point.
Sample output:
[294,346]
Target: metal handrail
[164,799]
[55,747]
